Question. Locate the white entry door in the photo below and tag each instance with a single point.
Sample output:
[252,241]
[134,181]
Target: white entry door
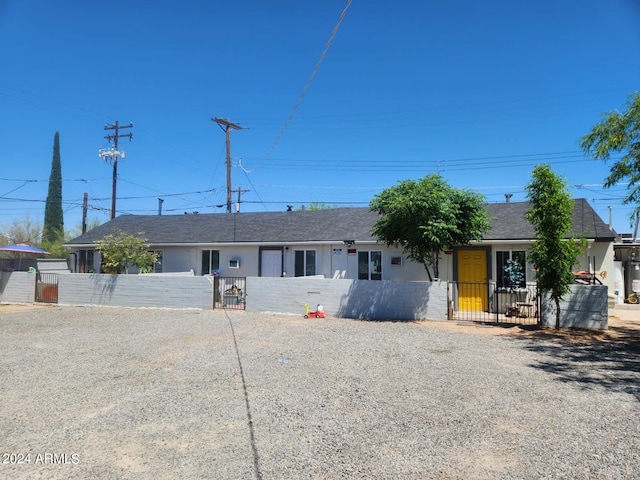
[271,263]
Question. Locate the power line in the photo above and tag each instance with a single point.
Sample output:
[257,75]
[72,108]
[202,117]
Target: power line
[513,188]
[85,180]
[305,89]
[541,157]
[467,163]
[255,190]
[162,193]
[278,186]
[17,188]
[421,166]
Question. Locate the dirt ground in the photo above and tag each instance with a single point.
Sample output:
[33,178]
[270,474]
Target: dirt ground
[619,329]
[624,326]
[21,307]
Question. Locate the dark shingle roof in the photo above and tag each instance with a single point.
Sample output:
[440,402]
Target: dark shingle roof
[297,226]
[508,222]
[337,224]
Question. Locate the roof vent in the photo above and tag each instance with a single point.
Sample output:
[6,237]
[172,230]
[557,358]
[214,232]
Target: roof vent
[508,196]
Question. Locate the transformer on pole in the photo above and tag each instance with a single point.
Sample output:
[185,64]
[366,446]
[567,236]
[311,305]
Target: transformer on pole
[112,154]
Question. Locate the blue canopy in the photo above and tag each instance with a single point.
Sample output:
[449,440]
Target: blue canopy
[23,248]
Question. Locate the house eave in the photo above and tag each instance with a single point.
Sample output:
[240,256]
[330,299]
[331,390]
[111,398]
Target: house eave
[503,242]
[516,241]
[238,244]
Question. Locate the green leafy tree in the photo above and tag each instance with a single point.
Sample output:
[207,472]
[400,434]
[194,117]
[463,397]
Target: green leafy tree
[428,216]
[619,132]
[53,231]
[316,206]
[77,230]
[120,251]
[553,255]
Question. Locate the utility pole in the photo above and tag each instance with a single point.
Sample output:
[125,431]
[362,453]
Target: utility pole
[83,252]
[113,153]
[85,200]
[227,126]
[240,192]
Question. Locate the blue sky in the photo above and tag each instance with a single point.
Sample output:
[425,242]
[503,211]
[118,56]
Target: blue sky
[478,91]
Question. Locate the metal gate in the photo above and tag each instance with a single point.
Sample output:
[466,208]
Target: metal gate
[230,292]
[47,287]
[491,304]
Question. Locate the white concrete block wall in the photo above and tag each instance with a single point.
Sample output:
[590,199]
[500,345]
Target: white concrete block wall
[585,307]
[17,287]
[135,290]
[363,299]
[372,300]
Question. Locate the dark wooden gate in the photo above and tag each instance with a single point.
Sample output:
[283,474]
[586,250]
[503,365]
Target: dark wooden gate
[47,287]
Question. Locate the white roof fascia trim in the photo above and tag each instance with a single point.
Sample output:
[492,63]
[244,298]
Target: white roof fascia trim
[515,242]
[501,242]
[253,244]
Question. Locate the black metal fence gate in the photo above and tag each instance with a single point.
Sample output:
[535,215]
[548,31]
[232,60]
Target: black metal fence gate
[230,292]
[485,302]
[47,287]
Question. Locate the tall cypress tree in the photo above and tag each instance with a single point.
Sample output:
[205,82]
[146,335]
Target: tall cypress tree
[53,230]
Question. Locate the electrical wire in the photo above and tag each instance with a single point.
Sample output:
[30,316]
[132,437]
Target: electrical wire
[255,190]
[85,180]
[461,164]
[4,196]
[484,161]
[304,90]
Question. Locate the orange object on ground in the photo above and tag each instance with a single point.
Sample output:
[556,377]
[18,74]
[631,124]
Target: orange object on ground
[319,313]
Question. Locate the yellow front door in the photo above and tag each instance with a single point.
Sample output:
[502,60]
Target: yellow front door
[472,280]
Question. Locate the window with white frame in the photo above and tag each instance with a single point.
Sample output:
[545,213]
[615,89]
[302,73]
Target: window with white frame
[370,265]
[304,263]
[210,261]
[507,259]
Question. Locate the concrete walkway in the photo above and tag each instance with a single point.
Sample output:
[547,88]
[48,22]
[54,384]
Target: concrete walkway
[627,311]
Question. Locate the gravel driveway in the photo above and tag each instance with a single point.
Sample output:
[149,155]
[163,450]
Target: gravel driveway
[143,393]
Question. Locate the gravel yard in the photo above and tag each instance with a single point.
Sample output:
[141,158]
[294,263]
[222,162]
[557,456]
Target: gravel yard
[143,393]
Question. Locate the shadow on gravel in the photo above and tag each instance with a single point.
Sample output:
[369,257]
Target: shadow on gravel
[252,436]
[384,320]
[608,358]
